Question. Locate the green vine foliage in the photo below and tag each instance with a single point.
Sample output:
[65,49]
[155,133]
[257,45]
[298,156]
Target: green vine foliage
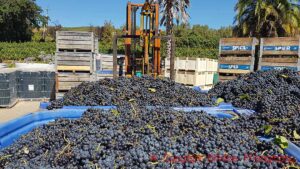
[196,41]
[20,51]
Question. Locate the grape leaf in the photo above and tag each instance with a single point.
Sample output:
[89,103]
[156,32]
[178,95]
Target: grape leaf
[296,135]
[245,96]
[267,129]
[152,90]
[281,141]
[219,100]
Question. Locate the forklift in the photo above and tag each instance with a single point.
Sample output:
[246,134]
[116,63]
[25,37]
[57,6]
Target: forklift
[142,42]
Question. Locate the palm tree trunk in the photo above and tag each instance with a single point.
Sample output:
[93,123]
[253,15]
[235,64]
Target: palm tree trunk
[169,26]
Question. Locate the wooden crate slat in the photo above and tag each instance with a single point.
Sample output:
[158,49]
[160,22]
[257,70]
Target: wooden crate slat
[74,54]
[234,71]
[74,68]
[281,41]
[74,46]
[280,60]
[238,41]
[71,74]
[280,52]
[235,60]
[73,38]
[72,42]
[67,85]
[73,63]
[74,79]
[236,52]
[279,64]
[72,58]
[77,33]
[225,78]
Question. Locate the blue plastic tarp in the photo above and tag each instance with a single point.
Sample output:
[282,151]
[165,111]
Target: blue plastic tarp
[14,129]
[224,110]
[292,149]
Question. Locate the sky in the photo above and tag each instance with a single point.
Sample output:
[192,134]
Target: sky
[74,13]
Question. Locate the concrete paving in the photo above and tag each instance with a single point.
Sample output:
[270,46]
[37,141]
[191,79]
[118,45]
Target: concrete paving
[20,109]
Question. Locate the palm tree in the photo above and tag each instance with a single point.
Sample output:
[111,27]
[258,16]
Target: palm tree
[172,10]
[267,18]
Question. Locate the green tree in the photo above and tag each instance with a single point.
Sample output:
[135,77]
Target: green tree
[267,18]
[18,18]
[107,31]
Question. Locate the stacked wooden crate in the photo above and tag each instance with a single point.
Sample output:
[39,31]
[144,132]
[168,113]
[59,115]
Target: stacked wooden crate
[193,71]
[74,59]
[236,57]
[279,53]
[106,66]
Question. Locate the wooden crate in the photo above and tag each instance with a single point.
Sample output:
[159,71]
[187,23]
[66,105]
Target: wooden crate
[68,80]
[279,53]
[76,41]
[106,62]
[74,61]
[236,56]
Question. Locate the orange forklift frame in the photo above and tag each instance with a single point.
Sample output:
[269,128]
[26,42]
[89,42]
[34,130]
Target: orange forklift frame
[146,35]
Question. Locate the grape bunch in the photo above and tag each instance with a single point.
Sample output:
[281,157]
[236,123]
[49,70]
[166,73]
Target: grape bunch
[274,95]
[145,91]
[141,138]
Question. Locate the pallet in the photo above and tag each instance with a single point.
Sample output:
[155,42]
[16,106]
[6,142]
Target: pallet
[75,41]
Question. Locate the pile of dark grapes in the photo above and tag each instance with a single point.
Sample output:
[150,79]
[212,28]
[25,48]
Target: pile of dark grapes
[274,95]
[141,138]
[145,91]
[137,136]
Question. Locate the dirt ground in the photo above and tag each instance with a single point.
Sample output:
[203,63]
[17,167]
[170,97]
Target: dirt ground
[20,109]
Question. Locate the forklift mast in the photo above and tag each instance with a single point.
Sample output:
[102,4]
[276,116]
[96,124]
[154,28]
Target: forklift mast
[142,45]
